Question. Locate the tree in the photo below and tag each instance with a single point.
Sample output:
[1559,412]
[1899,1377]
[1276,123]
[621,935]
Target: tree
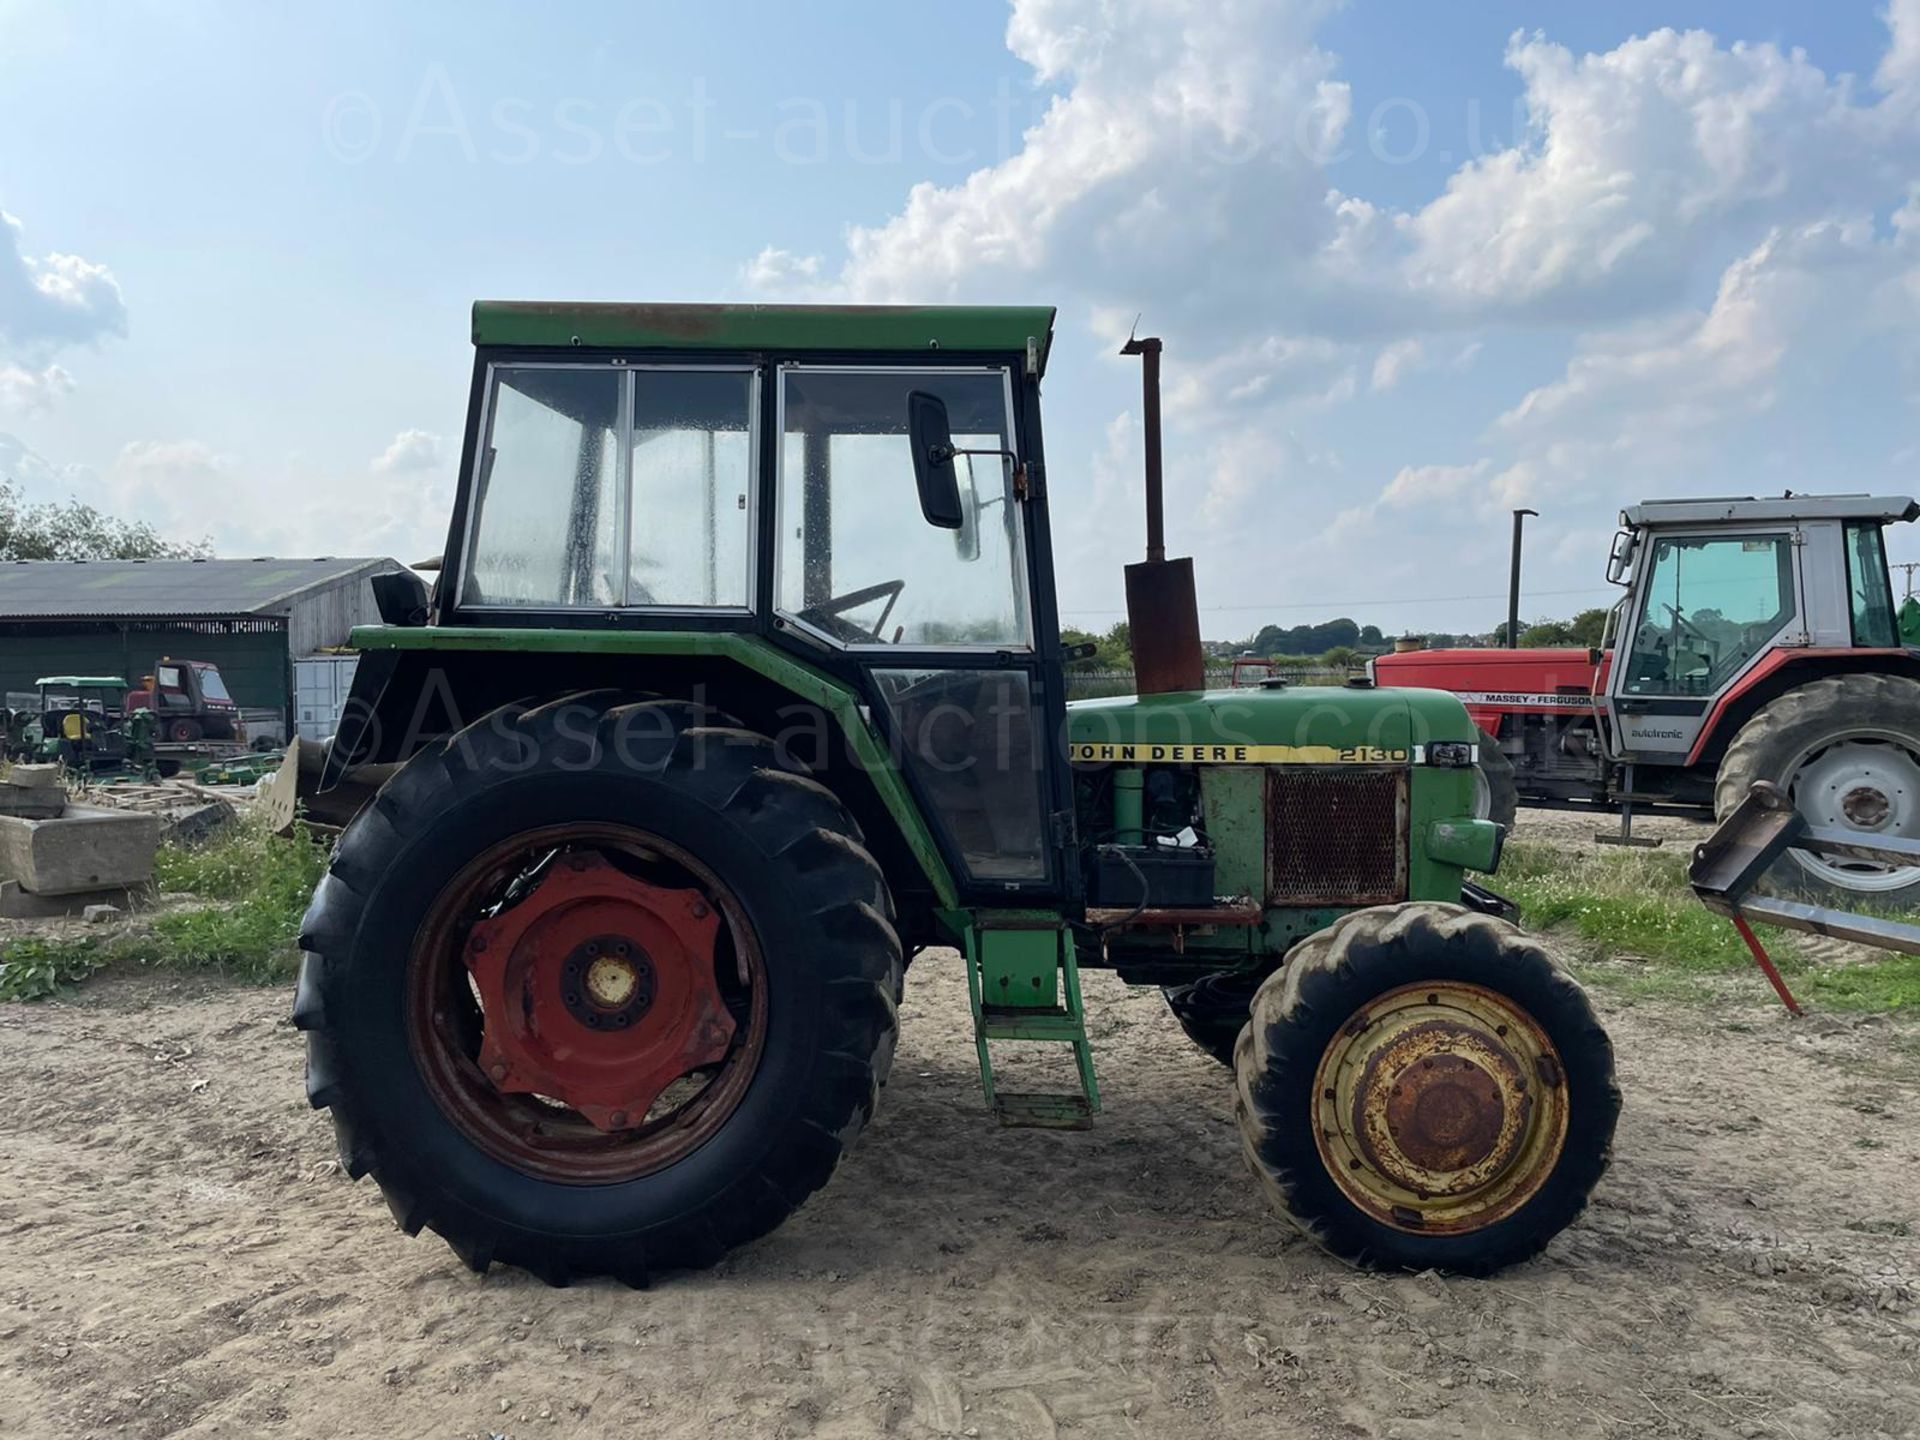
[1546,632]
[71,530]
[1589,626]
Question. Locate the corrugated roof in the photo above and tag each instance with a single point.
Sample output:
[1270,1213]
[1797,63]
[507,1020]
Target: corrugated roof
[108,588]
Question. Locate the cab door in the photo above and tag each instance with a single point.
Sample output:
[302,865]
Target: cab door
[950,635]
[1705,609]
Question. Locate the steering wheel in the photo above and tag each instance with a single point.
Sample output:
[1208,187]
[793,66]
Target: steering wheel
[834,607]
[1682,620]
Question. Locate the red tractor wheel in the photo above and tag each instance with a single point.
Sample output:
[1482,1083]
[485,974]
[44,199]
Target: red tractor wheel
[183,732]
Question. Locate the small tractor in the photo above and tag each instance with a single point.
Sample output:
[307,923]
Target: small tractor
[189,702]
[741,685]
[79,723]
[1757,641]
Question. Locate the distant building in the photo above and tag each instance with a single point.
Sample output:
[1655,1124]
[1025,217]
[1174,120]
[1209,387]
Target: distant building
[252,618]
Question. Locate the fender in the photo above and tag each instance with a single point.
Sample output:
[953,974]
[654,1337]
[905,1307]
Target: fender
[1782,670]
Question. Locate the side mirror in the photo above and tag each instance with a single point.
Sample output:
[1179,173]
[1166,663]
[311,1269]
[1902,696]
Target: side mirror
[1621,557]
[931,437]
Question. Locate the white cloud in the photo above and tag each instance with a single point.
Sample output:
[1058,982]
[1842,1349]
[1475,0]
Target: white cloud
[411,450]
[26,392]
[1397,360]
[54,299]
[775,271]
[37,477]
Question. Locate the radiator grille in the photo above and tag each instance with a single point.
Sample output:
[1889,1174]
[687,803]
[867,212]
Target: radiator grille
[1338,835]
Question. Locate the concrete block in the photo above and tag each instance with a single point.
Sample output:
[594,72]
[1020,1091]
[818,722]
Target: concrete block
[32,802]
[18,904]
[35,777]
[84,849]
[100,914]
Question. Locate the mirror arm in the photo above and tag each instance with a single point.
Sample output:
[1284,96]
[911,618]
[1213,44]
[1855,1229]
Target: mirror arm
[941,454]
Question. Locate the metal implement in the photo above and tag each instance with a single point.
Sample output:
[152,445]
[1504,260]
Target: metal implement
[1763,829]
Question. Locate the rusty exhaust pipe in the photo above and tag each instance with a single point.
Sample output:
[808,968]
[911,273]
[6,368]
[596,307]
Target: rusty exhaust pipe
[1163,614]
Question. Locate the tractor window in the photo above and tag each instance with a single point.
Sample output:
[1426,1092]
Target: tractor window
[693,468]
[858,563]
[968,738]
[1870,587]
[1710,606]
[213,687]
[544,495]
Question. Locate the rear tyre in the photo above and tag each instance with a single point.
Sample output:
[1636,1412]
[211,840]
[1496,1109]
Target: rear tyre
[1496,793]
[1847,749]
[1421,1086]
[489,1108]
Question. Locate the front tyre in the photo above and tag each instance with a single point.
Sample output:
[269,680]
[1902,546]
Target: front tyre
[597,989]
[1421,1086]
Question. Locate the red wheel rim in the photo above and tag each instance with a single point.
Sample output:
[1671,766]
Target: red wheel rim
[587,1003]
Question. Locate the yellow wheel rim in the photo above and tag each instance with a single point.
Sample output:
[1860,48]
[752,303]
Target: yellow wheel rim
[1440,1108]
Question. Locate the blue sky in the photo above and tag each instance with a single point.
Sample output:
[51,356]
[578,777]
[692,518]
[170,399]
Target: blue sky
[1414,263]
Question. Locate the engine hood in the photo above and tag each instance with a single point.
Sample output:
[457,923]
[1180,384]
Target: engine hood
[1307,724]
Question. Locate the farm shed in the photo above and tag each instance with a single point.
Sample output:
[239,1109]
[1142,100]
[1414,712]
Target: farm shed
[252,618]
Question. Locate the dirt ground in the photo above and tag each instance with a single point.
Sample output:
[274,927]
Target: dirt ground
[179,1257]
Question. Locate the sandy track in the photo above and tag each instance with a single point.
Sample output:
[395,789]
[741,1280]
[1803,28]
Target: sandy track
[177,1257]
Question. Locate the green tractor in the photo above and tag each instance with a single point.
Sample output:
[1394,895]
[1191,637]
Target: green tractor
[741,685]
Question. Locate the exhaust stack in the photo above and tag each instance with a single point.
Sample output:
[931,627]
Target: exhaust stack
[1162,612]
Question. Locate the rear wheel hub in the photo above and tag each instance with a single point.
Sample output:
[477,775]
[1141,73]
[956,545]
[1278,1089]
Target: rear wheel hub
[599,991]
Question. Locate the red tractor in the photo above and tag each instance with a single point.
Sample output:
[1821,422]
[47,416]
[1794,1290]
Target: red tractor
[189,702]
[1757,640]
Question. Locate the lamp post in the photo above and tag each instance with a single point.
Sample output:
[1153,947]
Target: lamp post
[1513,586]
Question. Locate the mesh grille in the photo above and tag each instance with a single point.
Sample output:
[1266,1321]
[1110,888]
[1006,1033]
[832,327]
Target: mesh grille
[1338,836]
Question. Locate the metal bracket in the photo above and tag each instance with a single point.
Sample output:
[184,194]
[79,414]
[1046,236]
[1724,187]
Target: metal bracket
[1757,832]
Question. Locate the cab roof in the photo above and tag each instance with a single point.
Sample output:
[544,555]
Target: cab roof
[1887,509]
[849,328]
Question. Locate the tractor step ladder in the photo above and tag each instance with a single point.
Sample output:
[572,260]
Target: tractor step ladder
[1024,985]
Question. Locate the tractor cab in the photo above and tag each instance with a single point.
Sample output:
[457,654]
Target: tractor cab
[188,700]
[1724,594]
[80,720]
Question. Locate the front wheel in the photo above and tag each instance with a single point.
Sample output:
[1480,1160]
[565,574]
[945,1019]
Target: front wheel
[1421,1086]
[598,989]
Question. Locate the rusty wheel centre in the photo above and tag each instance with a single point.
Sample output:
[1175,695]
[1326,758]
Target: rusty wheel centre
[587,1012]
[1440,1108]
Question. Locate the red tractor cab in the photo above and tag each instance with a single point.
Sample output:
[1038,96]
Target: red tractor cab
[189,702]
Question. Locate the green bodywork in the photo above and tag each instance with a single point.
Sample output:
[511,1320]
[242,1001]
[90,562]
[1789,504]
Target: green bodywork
[844,329]
[1232,737]
[746,650]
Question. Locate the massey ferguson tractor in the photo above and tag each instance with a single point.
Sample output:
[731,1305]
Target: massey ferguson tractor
[1757,640]
[742,685]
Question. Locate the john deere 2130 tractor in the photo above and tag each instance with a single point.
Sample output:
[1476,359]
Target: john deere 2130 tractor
[740,686]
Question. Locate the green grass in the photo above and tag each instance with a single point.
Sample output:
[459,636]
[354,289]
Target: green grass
[1630,917]
[257,885]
